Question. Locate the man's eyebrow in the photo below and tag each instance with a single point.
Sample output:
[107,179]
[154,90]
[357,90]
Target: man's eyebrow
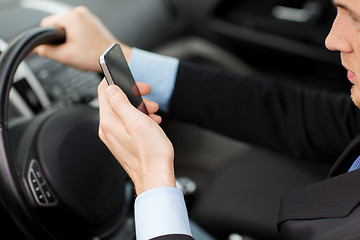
[343,6]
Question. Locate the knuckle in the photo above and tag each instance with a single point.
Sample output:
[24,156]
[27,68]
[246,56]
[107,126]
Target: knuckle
[101,134]
[81,9]
[40,50]
[99,89]
[119,99]
[43,21]
[104,128]
[156,106]
[79,12]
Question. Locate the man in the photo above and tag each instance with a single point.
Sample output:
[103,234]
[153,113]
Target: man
[313,125]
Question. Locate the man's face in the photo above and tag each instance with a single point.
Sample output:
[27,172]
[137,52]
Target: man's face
[345,37]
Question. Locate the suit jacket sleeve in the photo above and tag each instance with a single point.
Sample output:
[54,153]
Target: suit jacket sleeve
[302,123]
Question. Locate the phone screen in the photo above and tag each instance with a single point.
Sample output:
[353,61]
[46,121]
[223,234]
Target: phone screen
[117,71]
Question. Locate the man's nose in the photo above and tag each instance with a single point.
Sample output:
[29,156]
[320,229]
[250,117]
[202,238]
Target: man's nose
[337,39]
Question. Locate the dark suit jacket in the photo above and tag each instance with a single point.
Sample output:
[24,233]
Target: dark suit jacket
[308,125]
[173,237]
[328,209]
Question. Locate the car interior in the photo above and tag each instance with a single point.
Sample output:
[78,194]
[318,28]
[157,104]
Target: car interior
[58,181]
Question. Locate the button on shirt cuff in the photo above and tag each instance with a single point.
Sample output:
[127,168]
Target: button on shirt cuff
[159,212]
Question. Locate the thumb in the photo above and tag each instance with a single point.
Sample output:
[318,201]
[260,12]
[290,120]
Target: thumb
[121,104]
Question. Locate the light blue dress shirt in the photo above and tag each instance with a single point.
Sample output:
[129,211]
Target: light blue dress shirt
[161,211]
[158,211]
[156,70]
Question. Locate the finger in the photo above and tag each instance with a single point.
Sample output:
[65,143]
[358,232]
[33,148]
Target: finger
[102,92]
[156,118]
[121,105]
[152,107]
[48,51]
[104,105]
[51,51]
[144,88]
[105,109]
[53,20]
[48,21]
[108,118]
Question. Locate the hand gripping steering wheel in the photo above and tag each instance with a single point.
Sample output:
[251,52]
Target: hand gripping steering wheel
[57,179]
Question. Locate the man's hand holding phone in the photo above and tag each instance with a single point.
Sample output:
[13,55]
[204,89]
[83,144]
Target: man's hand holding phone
[137,142]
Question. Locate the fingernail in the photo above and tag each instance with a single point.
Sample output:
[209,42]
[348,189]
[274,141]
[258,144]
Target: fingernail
[110,90]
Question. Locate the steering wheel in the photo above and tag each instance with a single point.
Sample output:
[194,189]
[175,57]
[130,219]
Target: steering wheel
[57,179]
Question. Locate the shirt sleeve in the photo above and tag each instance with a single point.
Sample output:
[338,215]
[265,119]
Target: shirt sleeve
[161,211]
[158,71]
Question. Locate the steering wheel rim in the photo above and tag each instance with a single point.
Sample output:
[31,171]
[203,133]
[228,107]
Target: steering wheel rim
[13,195]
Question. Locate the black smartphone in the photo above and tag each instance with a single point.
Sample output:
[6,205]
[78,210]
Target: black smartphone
[117,71]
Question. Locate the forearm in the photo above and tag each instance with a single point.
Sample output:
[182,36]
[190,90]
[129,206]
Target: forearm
[301,123]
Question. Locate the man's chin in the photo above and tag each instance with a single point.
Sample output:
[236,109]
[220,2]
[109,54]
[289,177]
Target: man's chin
[355,96]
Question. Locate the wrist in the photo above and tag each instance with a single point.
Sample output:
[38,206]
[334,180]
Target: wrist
[152,181]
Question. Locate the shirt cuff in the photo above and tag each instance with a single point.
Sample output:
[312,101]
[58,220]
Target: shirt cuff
[161,211]
[156,70]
